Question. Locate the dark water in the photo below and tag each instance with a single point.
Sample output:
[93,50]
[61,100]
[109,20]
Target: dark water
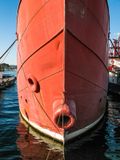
[16,143]
[103,142]
[8,123]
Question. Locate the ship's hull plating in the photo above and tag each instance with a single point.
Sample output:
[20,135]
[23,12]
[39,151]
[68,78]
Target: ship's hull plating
[62,58]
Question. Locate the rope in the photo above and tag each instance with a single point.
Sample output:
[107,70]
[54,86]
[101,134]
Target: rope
[8,49]
[5,56]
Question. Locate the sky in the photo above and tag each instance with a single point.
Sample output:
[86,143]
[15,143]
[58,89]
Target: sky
[114,9]
[8,13]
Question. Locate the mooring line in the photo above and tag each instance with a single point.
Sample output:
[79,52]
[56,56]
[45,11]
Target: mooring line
[8,49]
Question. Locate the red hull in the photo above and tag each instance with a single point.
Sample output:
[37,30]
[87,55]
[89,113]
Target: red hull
[62,65]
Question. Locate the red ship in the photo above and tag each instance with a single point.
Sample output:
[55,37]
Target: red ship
[62,65]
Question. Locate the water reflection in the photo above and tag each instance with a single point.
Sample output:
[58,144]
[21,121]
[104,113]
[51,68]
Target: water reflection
[103,143]
[113,131]
[88,147]
[38,147]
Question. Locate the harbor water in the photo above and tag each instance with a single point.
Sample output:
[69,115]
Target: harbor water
[17,142]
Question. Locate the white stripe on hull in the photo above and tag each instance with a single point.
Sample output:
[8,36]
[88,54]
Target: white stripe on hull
[59,137]
[72,135]
[52,134]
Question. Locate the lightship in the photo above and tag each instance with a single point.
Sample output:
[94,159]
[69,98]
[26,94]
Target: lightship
[62,57]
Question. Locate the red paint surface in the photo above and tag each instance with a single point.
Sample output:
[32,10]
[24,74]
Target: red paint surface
[63,45]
